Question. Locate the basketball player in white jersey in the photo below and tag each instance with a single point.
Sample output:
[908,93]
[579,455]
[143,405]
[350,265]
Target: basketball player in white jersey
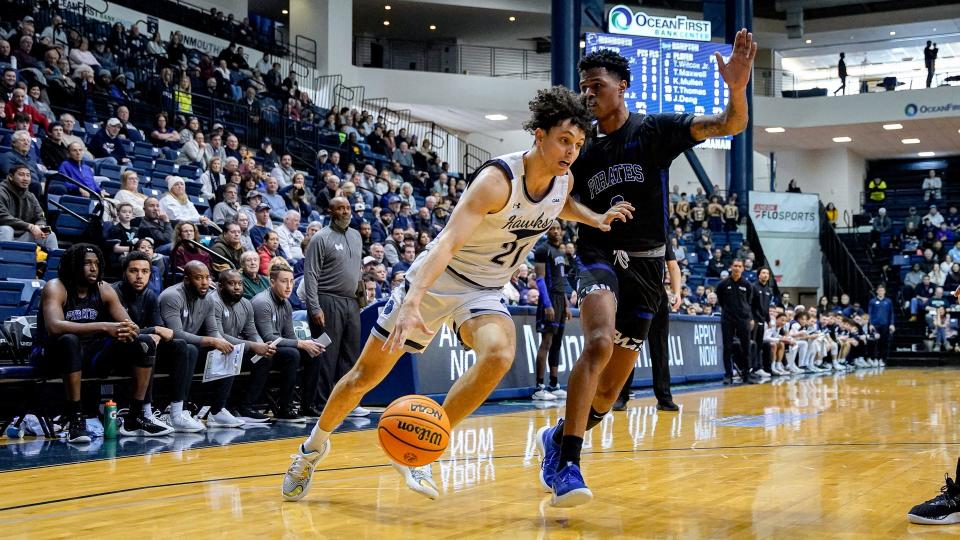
[512,200]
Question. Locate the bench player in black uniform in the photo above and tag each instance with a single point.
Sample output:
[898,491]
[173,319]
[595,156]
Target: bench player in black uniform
[621,272]
[552,311]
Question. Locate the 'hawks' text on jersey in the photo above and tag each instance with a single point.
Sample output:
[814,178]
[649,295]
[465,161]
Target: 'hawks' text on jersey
[503,239]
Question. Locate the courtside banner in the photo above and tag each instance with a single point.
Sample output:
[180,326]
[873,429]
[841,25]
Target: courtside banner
[785,212]
[695,353]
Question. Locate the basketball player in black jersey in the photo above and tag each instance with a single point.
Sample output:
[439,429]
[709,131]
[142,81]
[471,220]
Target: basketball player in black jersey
[621,272]
[82,326]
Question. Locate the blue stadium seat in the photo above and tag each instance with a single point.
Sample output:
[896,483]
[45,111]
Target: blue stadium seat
[11,293]
[66,225]
[164,167]
[193,188]
[53,264]
[109,170]
[142,163]
[18,260]
[201,203]
[110,186]
[142,149]
[91,127]
[189,171]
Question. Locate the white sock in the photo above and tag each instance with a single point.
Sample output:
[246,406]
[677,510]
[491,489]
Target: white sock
[147,409]
[316,439]
[176,408]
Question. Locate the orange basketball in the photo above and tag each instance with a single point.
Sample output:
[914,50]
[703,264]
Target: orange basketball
[414,430]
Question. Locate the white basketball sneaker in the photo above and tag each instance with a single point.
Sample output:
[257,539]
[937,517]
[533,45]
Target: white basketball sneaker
[183,423]
[223,419]
[419,479]
[542,395]
[296,481]
[557,392]
[359,412]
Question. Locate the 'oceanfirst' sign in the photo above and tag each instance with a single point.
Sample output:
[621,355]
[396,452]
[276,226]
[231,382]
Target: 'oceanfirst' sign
[622,20]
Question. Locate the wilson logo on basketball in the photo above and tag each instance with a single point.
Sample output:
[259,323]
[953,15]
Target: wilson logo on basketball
[426,409]
[423,434]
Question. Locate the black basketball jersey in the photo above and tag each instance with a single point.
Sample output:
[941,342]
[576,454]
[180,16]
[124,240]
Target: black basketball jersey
[78,310]
[555,264]
[626,165]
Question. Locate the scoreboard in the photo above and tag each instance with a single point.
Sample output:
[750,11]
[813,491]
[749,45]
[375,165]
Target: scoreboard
[669,75]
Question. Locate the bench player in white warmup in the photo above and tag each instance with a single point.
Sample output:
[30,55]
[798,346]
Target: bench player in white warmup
[512,200]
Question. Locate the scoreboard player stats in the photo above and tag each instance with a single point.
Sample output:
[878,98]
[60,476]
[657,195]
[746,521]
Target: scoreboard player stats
[669,75]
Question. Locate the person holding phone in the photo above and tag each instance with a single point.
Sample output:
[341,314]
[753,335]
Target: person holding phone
[21,216]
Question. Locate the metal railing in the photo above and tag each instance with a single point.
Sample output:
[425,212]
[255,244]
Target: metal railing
[302,49]
[327,92]
[462,156]
[441,57]
[849,275]
[824,81]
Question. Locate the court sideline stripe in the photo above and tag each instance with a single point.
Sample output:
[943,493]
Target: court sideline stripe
[360,467]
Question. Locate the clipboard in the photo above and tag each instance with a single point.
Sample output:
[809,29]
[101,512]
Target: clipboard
[221,366]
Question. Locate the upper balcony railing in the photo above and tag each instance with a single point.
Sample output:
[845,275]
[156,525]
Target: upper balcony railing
[450,58]
[824,81]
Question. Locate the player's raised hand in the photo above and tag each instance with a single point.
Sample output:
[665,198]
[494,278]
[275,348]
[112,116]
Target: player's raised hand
[736,70]
[622,211]
[408,319]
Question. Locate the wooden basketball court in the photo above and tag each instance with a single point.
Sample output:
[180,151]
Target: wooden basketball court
[840,456]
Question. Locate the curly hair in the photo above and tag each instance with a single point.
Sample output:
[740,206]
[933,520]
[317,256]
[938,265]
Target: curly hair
[553,106]
[608,59]
[70,271]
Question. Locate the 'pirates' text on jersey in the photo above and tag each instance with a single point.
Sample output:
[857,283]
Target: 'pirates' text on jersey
[626,166]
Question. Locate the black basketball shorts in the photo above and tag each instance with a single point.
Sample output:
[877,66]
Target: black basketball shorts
[556,326]
[636,282]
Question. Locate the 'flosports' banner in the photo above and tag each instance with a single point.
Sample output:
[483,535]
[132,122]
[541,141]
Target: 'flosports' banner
[773,211]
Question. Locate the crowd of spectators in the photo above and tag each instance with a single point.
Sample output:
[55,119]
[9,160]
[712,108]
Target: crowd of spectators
[227,198]
[927,247]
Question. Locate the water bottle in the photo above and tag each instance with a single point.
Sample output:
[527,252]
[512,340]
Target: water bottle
[110,420]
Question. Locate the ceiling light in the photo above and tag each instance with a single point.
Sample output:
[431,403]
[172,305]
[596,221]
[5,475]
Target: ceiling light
[890,127]
[386,23]
[512,18]
[892,33]
[809,41]
[433,27]
[496,117]
[842,139]
[774,130]
[285,12]
[926,154]
[388,7]
[910,141]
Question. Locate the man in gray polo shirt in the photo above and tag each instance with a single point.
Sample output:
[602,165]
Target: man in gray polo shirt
[186,309]
[331,275]
[273,317]
[234,315]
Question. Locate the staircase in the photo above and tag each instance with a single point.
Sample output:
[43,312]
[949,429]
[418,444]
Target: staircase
[872,262]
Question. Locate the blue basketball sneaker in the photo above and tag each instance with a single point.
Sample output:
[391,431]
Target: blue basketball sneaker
[549,453]
[569,489]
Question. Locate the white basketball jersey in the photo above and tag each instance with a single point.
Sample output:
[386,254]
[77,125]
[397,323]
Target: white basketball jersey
[504,239]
